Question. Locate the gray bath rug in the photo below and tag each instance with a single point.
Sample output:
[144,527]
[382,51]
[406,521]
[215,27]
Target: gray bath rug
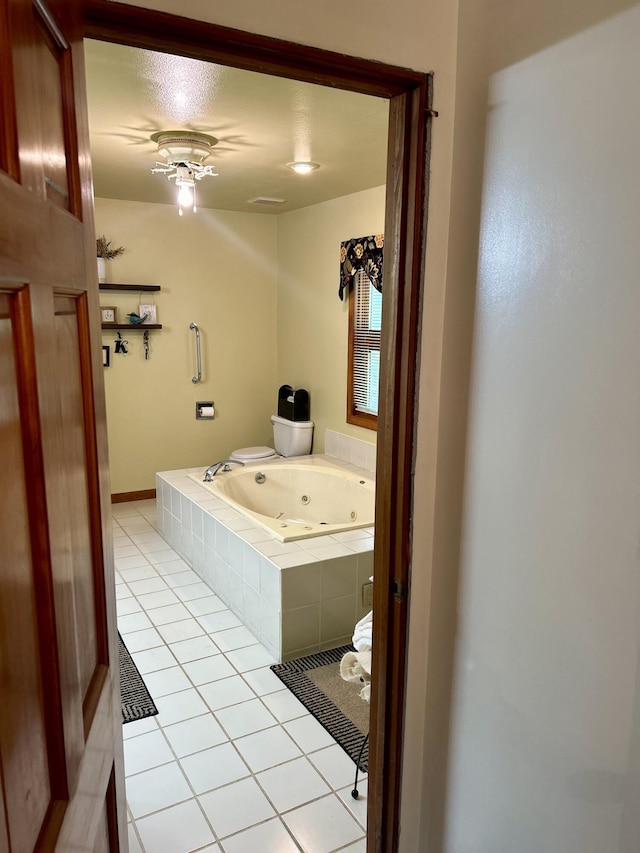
[136,700]
[316,681]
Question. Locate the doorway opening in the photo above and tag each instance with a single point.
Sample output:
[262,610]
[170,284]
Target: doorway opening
[408,95]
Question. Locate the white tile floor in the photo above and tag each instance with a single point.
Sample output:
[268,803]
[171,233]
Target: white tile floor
[232,763]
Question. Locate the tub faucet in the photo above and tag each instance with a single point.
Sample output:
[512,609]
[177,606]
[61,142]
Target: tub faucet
[212,470]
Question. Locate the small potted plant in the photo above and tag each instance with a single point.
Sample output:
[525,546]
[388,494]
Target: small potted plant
[105,253]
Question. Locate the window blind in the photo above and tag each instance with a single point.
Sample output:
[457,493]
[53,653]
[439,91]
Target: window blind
[366,345]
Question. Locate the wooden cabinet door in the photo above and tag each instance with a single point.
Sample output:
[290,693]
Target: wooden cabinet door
[61,769]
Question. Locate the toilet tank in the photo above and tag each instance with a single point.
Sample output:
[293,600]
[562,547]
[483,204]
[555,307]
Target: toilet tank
[292,438]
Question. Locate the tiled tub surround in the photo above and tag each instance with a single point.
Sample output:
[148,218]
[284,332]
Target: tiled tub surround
[358,453]
[296,597]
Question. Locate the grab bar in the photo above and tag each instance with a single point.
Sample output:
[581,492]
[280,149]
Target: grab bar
[195,379]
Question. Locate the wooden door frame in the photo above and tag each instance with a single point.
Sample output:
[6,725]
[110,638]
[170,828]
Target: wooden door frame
[409,94]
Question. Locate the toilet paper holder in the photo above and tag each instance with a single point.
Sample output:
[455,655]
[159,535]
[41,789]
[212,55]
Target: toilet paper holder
[205,410]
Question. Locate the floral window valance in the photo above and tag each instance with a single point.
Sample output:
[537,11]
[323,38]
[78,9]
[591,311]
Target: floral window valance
[361,253]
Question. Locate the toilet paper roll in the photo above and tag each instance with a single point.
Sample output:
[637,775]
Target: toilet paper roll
[206,411]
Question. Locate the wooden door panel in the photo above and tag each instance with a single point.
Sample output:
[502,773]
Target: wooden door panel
[61,767]
[51,441]
[21,30]
[70,470]
[8,137]
[23,741]
[45,119]
[4,837]
[51,54]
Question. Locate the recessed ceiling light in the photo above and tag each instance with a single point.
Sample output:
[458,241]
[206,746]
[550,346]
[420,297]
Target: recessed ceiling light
[302,167]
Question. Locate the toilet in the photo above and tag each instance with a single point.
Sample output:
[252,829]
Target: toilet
[291,438]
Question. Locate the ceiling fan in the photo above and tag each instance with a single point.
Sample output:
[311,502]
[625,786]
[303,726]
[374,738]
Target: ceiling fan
[184,153]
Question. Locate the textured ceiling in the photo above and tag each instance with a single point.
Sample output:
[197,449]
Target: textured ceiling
[262,123]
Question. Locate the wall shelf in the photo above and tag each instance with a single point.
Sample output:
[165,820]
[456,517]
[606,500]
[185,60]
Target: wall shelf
[140,327]
[138,288]
[131,288]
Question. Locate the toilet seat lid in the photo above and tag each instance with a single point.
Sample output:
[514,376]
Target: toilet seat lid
[250,453]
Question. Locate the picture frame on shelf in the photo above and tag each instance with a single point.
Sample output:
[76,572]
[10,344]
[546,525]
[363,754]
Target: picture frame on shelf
[150,311]
[109,315]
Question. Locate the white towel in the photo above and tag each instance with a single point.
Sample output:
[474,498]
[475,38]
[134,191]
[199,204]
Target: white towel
[356,666]
[363,633]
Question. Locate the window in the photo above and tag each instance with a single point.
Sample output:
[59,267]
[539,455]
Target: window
[365,323]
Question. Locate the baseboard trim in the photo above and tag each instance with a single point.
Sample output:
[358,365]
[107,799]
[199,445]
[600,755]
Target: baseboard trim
[142,495]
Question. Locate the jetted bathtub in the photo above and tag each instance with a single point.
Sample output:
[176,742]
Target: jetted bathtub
[297,499]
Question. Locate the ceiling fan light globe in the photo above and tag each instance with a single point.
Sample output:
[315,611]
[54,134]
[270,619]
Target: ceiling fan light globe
[184,153]
[185,196]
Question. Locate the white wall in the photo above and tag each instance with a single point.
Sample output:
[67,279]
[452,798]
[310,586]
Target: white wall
[545,740]
[407,33]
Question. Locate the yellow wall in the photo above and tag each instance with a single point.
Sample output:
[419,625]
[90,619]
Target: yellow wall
[217,269]
[312,321]
[264,291]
